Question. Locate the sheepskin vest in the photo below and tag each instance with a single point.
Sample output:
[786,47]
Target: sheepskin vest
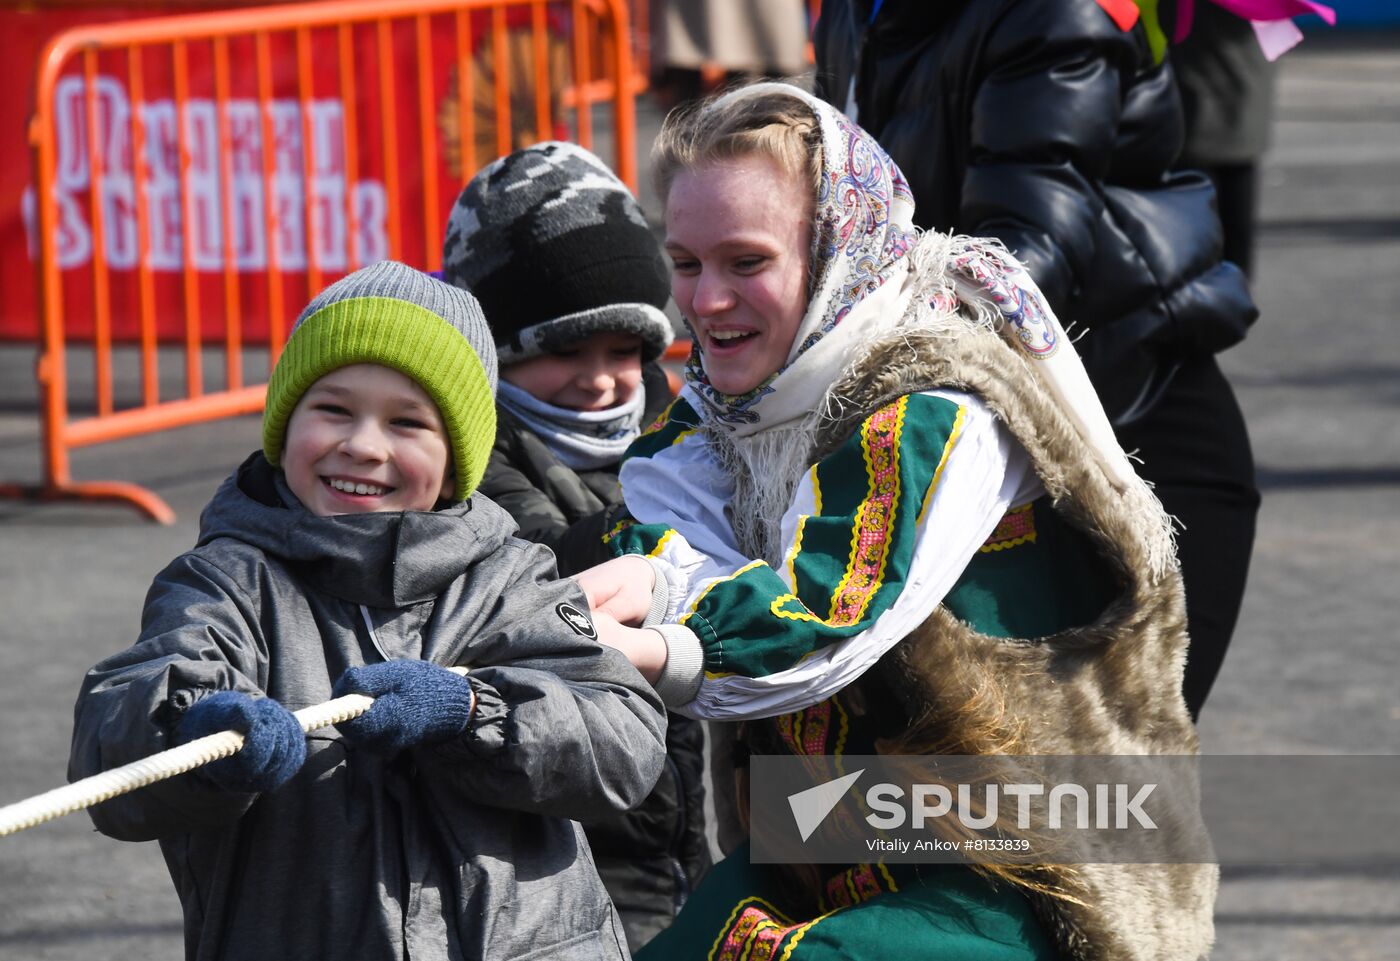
[1111,687]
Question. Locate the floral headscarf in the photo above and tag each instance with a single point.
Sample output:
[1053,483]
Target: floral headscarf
[872,271]
[863,226]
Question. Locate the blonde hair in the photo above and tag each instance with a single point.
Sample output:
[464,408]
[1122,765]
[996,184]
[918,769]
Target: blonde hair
[776,125]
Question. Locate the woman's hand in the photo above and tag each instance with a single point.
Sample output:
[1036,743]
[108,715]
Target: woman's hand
[620,588]
[645,648]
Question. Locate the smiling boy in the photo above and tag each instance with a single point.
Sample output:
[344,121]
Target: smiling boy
[366,438]
[350,555]
[574,286]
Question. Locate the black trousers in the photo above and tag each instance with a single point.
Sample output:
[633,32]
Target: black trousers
[1195,450]
[1237,196]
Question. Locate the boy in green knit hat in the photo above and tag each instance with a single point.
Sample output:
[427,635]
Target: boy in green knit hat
[350,555]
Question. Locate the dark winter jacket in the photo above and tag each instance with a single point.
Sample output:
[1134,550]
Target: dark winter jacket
[1042,123]
[650,857]
[463,850]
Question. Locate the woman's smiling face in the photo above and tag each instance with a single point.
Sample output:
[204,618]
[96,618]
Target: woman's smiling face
[738,232]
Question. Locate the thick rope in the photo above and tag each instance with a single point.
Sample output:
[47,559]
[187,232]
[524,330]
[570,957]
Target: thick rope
[122,780]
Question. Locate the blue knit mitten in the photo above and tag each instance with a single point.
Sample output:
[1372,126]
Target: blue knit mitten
[274,745]
[415,702]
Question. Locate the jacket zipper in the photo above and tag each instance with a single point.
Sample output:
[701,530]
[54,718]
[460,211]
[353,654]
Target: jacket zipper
[373,637]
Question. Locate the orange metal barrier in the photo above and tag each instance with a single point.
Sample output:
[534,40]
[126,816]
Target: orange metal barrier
[200,177]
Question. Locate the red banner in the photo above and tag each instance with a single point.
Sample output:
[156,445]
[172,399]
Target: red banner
[345,141]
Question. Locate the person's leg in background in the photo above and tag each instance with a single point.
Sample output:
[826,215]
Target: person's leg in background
[1195,451]
[1237,194]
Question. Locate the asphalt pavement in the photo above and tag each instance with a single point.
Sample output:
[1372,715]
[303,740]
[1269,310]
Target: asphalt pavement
[1314,668]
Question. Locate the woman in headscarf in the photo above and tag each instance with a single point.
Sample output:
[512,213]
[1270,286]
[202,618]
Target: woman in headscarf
[887,514]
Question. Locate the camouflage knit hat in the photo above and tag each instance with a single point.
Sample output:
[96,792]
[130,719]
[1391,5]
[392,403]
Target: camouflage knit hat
[556,250]
[398,317]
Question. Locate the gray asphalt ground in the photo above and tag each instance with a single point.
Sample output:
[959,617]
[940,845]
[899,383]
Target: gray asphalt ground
[1315,666]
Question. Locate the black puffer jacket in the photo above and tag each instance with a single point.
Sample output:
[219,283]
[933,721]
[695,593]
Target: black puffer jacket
[1044,124]
[650,857]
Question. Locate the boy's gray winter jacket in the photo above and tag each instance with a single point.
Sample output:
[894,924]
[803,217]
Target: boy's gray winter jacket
[465,850]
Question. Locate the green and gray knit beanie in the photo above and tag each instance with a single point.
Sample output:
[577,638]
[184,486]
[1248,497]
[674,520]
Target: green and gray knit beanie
[398,317]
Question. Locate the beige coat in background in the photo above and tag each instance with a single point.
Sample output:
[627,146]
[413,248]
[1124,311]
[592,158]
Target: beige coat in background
[755,36]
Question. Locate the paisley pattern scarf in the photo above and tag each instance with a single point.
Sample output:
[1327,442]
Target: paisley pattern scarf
[863,226]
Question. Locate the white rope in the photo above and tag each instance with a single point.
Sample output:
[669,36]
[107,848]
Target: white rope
[121,780]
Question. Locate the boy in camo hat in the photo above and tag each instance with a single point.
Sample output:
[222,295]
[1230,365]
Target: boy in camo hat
[574,284]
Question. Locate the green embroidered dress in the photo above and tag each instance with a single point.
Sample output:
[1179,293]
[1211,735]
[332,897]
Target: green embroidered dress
[863,509]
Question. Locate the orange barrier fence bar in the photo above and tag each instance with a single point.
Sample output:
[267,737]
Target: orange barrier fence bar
[198,178]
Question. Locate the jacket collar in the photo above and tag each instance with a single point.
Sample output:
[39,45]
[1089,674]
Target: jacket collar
[386,560]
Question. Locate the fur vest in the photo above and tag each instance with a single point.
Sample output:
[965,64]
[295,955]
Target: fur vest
[1112,687]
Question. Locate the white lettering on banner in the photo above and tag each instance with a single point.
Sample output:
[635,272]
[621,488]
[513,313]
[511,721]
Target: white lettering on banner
[246,202]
